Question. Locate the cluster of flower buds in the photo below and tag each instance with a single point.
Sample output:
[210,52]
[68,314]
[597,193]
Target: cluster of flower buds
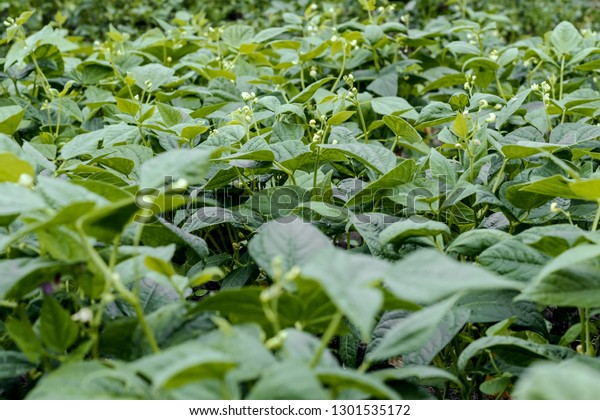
[9,22]
[349,79]
[317,136]
[247,97]
[543,89]
[470,81]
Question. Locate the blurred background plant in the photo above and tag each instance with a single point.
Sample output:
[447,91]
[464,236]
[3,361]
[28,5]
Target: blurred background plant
[91,19]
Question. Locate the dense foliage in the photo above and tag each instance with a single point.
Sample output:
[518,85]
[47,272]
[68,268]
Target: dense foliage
[338,202]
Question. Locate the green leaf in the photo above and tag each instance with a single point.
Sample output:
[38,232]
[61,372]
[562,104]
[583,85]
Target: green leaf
[571,279]
[402,129]
[236,35]
[427,276]
[11,168]
[374,156]
[389,105]
[289,243]
[348,280]
[244,305]
[413,332]
[568,380]
[105,223]
[182,364]
[565,38]
[10,118]
[410,228]
[344,379]
[90,380]
[340,117]
[460,126]
[310,90]
[588,189]
[513,259]
[288,381]
[383,186]
[22,275]
[173,165]
[511,107]
[58,331]
[171,116]
[15,199]
[517,345]
[474,242]
[435,113]
[13,364]
[128,106]
[21,332]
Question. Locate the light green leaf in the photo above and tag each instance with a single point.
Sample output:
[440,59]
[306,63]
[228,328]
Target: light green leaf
[568,380]
[57,329]
[173,165]
[565,38]
[291,242]
[410,228]
[10,118]
[411,333]
[427,276]
[349,280]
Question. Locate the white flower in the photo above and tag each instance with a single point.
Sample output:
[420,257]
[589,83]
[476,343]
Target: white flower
[181,184]
[84,315]
[458,146]
[476,142]
[354,43]
[546,87]
[334,142]
[334,38]
[246,96]
[555,208]
[314,6]
[313,74]
[26,180]
[248,118]
[491,118]
[312,123]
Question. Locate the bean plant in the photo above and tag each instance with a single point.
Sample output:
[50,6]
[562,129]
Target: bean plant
[315,206]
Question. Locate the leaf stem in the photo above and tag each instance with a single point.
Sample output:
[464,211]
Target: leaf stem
[327,336]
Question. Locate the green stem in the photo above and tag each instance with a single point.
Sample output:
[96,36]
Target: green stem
[116,283]
[329,334]
[499,176]
[562,73]
[342,69]
[596,219]
[362,121]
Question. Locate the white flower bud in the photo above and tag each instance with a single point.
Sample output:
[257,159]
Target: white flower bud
[555,208]
[483,104]
[26,180]
[476,142]
[458,146]
[181,184]
[84,315]
[313,74]
[491,118]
